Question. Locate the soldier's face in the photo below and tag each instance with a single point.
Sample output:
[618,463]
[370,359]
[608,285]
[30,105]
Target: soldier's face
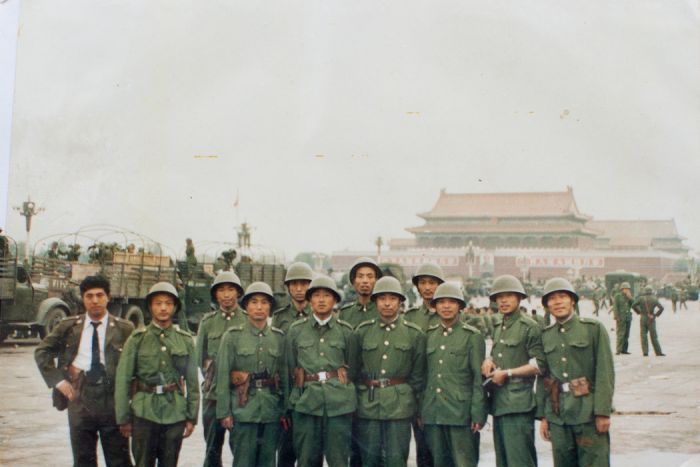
[627,293]
[162,308]
[322,303]
[426,286]
[95,302]
[297,290]
[507,302]
[560,305]
[388,306]
[258,308]
[226,296]
[365,278]
[447,309]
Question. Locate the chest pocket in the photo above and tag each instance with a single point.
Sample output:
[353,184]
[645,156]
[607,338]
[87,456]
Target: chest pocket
[213,341]
[245,350]
[369,346]
[550,347]
[180,356]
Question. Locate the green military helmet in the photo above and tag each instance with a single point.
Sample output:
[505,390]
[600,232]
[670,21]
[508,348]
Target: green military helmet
[390,285]
[299,272]
[225,277]
[507,283]
[558,284]
[625,285]
[323,282]
[648,290]
[163,287]
[258,288]
[364,261]
[431,270]
[449,290]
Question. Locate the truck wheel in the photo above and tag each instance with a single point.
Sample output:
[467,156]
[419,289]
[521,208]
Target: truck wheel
[135,315]
[53,317]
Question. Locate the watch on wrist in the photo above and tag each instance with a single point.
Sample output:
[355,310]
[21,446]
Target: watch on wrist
[510,373]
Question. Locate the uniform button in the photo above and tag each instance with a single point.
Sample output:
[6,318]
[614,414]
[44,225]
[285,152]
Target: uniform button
[321,354]
[500,355]
[562,330]
[323,381]
[502,341]
[442,347]
[384,357]
[440,362]
[321,340]
[162,363]
[386,342]
[388,328]
[565,375]
[228,318]
[438,390]
[439,375]
[444,333]
[563,359]
[563,345]
[383,372]
[260,362]
[162,335]
[163,349]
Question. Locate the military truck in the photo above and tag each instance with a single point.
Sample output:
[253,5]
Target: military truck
[636,281]
[27,307]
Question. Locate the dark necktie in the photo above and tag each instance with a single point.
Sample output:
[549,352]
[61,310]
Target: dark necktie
[95,362]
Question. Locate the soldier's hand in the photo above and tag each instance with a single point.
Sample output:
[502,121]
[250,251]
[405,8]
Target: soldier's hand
[227,422]
[189,428]
[499,377]
[67,390]
[487,367]
[476,427]
[602,424]
[544,429]
[125,430]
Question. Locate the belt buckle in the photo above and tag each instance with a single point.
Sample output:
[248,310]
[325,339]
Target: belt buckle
[258,383]
[159,389]
[565,387]
[322,375]
[383,382]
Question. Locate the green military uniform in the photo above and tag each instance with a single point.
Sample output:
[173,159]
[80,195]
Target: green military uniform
[93,411]
[645,306]
[283,318]
[539,319]
[211,329]
[517,339]
[475,321]
[622,307]
[157,359]
[392,355]
[322,408]
[355,313]
[422,316]
[454,397]
[579,348]
[258,352]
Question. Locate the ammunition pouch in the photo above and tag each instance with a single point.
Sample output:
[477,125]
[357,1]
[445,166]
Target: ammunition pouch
[553,388]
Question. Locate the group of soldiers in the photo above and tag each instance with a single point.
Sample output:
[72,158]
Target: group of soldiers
[314,381]
[647,306]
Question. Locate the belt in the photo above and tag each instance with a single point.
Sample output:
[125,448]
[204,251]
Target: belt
[383,382]
[321,376]
[260,383]
[158,389]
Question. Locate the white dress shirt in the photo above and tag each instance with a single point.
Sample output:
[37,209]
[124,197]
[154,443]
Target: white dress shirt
[84,357]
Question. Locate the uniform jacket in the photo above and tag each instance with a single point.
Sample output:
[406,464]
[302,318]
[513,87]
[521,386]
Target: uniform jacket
[422,316]
[354,313]
[282,318]
[646,305]
[622,307]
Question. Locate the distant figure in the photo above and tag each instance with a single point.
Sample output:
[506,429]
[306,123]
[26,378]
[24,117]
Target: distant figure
[646,306]
[190,258]
[131,249]
[54,252]
[4,245]
[73,253]
[674,298]
[682,298]
[539,319]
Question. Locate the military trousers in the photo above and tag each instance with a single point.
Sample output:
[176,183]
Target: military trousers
[453,445]
[648,326]
[384,443]
[286,457]
[423,456]
[514,440]
[622,331]
[254,444]
[151,442]
[316,437]
[86,424]
[579,445]
[214,434]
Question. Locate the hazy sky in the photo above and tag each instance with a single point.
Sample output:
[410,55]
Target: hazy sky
[336,122]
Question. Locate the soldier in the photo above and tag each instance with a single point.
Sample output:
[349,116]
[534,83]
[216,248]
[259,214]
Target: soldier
[516,358]
[453,407]
[392,356]
[674,298]
[157,392]
[224,291]
[682,297]
[538,319]
[88,348]
[321,358]
[623,317]
[363,275]
[250,400]
[645,306]
[298,277]
[426,280]
[579,383]
[190,258]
